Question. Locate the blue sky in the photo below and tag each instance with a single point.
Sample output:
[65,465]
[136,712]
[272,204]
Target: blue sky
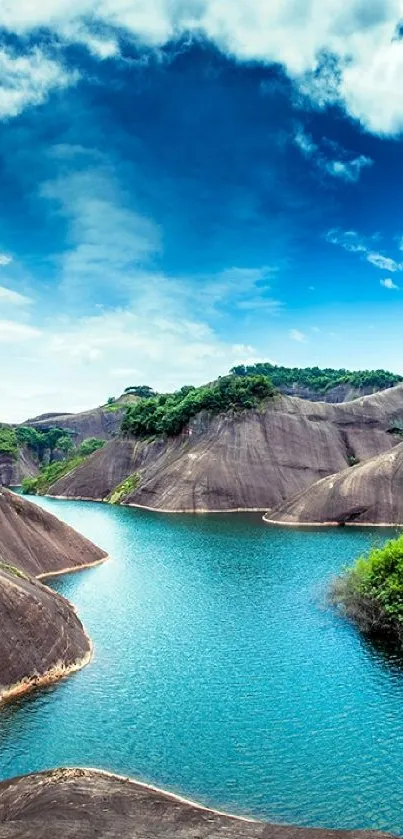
[190,184]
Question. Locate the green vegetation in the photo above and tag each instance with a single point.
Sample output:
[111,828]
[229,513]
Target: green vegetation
[50,474]
[317,379]
[90,445]
[124,489]
[143,391]
[12,569]
[8,441]
[169,413]
[371,592]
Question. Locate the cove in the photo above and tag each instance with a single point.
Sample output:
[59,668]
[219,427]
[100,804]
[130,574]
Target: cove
[220,672]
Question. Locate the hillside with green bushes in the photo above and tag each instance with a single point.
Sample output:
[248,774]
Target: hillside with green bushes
[167,414]
[318,379]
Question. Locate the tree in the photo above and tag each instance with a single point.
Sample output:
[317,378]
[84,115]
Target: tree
[143,391]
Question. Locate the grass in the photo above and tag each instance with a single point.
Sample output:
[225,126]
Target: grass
[371,592]
[124,489]
[11,569]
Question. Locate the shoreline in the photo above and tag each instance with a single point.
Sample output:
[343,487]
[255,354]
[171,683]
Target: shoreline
[230,510]
[338,524]
[55,674]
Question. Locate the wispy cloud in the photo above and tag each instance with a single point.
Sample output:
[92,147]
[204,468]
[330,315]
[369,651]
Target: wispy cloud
[353,243]
[297,335]
[5,259]
[13,297]
[345,167]
[13,332]
[27,79]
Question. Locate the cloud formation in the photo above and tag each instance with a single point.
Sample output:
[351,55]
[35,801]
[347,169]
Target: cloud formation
[350,54]
[350,241]
[344,166]
[388,283]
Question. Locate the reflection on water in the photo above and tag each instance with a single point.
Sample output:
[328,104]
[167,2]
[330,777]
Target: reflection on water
[221,672]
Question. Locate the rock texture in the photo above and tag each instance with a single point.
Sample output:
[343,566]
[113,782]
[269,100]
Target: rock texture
[37,542]
[13,471]
[84,804]
[41,637]
[254,459]
[99,423]
[370,493]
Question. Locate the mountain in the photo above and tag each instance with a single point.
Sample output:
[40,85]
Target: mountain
[247,459]
[369,493]
[41,637]
[85,804]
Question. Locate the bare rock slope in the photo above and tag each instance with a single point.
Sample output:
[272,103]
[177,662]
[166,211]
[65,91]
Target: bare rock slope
[41,637]
[14,470]
[248,460]
[38,543]
[84,804]
[370,493]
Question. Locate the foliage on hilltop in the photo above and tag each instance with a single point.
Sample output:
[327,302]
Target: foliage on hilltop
[169,413]
[320,380]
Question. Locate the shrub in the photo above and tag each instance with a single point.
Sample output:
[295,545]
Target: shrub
[371,592]
[90,445]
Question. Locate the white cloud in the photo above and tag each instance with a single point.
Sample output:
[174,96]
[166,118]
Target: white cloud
[5,259]
[13,297]
[352,242]
[346,168]
[28,79]
[12,332]
[297,335]
[388,283]
[344,53]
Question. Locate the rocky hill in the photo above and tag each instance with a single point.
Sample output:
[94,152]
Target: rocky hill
[85,804]
[370,493]
[249,459]
[41,637]
[37,543]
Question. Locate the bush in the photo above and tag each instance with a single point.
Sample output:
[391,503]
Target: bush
[371,592]
[169,413]
[90,445]
[8,441]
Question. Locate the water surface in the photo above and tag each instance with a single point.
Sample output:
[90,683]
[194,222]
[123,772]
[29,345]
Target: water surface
[221,673]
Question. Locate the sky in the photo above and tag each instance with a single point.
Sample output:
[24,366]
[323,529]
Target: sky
[191,184]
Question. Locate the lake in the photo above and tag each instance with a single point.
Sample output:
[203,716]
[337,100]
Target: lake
[220,672]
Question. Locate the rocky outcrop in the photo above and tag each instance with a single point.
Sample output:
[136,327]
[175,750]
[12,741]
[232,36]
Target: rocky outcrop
[370,493]
[247,460]
[85,804]
[14,470]
[41,637]
[38,543]
[100,422]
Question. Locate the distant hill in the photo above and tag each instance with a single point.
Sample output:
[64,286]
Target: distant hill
[322,385]
[253,458]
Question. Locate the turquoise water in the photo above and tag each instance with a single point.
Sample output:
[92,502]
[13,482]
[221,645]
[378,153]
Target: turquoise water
[221,673]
